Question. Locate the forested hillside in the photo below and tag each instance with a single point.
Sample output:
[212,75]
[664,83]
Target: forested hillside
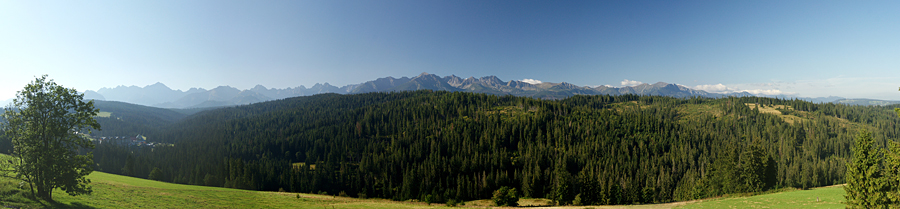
[438,146]
[126,119]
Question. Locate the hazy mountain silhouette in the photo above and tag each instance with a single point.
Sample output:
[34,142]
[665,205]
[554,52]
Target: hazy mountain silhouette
[866,102]
[381,84]
[159,95]
[424,81]
[148,95]
[5,103]
[219,96]
[93,95]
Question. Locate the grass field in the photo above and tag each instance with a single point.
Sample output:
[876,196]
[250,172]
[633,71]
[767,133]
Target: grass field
[115,191]
[774,109]
[823,197]
[104,114]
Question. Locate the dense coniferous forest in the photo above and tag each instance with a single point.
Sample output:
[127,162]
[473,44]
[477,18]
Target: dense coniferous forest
[452,145]
[128,119]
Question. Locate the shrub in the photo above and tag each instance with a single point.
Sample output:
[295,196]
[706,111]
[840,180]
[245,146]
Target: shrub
[577,200]
[428,199]
[452,203]
[156,174]
[506,196]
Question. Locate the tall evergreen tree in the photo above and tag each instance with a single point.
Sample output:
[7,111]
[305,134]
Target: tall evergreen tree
[892,170]
[892,173]
[753,164]
[865,186]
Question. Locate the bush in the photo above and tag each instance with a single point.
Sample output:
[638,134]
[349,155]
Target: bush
[428,199]
[506,196]
[156,174]
[452,203]
[577,200]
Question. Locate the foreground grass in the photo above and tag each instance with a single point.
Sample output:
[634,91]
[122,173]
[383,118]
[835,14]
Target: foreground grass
[823,197]
[114,191]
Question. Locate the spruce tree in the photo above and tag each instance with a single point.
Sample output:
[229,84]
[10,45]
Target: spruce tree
[892,174]
[865,186]
[753,165]
[892,168]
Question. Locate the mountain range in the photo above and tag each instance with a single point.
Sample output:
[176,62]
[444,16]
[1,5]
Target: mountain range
[4,103]
[159,95]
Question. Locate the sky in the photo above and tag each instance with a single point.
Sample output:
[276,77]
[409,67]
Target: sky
[798,48]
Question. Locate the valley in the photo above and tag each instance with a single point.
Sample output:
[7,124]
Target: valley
[439,146]
[578,104]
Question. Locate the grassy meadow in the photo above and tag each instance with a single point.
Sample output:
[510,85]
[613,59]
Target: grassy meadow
[823,197]
[115,191]
[104,114]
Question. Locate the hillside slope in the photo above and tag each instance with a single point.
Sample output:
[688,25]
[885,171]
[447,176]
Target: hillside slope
[114,191]
[124,119]
[823,197]
[463,146]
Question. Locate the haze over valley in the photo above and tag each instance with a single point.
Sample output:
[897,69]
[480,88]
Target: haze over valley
[160,95]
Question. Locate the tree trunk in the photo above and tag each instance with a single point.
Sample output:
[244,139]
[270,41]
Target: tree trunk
[44,193]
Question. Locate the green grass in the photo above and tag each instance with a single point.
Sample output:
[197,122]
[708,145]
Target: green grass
[823,197]
[114,191]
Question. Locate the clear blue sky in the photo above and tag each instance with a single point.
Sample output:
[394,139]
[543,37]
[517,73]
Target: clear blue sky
[803,48]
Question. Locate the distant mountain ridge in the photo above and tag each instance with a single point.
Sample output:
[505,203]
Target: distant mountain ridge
[159,95]
[866,102]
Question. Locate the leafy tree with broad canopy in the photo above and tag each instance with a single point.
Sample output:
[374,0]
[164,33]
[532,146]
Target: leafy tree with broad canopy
[44,125]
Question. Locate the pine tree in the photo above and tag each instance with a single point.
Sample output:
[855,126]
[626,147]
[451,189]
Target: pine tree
[753,164]
[892,173]
[865,186]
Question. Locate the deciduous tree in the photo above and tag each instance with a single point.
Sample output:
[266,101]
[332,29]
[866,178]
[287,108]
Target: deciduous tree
[44,126]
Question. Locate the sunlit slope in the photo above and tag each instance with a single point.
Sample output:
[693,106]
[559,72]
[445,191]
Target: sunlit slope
[620,142]
[115,191]
[824,197]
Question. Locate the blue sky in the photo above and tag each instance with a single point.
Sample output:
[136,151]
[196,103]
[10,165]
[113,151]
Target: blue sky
[802,48]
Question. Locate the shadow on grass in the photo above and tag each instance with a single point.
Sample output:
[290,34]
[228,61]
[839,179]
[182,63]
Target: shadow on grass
[79,205]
